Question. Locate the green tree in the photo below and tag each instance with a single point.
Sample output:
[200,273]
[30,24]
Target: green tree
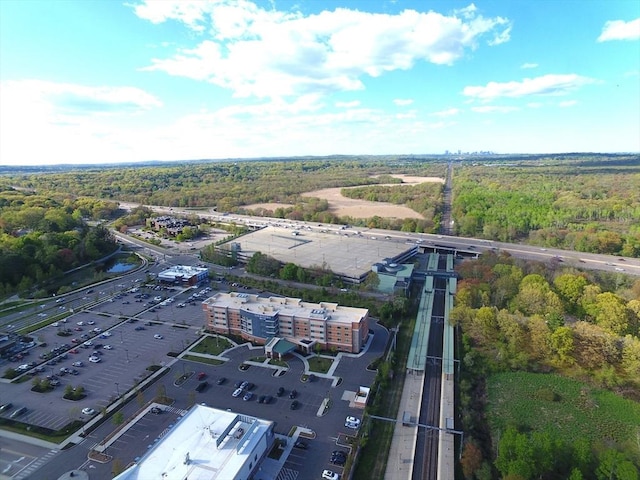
[614,466]
[562,344]
[118,418]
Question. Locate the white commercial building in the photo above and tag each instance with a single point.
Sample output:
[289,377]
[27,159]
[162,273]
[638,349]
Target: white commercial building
[185,274]
[207,444]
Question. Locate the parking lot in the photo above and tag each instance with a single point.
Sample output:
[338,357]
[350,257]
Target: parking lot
[139,332]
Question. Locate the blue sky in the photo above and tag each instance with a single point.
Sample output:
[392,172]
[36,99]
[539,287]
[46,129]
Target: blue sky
[105,81]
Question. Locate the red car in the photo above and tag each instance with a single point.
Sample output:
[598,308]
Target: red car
[75,350]
[201,375]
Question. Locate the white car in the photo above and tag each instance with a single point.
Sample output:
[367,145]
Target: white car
[88,343]
[237,392]
[157,336]
[329,475]
[107,334]
[94,359]
[55,324]
[108,347]
[352,422]
[91,322]
[97,329]
[80,324]
[88,411]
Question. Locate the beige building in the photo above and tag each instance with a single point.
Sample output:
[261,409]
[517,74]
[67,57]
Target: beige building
[304,324]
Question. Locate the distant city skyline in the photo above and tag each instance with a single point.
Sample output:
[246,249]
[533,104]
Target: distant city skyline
[109,82]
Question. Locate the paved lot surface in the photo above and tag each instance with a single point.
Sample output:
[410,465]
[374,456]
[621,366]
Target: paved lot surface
[342,251]
[124,365]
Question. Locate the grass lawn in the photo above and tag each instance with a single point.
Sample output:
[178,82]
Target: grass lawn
[208,361]
[566,407]
[212,345]
[319,364]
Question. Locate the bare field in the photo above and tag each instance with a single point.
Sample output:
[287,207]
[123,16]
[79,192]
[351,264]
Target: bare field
[355,208]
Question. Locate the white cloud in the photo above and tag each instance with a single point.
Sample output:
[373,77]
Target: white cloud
[269,53]
[73,99]
[544,85]
[402,102]
[620,30]
[353,103]
[446,113]
[567,103]
[525,66]
[534,104]
[439,125]
[494,109]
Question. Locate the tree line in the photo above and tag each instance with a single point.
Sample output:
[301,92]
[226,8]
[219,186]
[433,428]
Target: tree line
[522,316]
[41,236]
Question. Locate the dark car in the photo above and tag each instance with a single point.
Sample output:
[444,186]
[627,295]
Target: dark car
[340,461]
[293,394]
[156,410]
[300,444]
[280,392]
[294,405]
[261,398]
[139,328]
[5,406]
[268,399]
[18,412]
[237,384]
[220,381]
[202,386]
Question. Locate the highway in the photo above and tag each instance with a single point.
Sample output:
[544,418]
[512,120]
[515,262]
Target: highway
[469,246]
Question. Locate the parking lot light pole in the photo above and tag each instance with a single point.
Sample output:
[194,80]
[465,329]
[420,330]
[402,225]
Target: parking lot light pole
[117,389]
[127,354]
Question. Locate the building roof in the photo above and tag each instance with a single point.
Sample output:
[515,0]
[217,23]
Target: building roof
[181,271]
[283,346]
[206,444]
[294,307]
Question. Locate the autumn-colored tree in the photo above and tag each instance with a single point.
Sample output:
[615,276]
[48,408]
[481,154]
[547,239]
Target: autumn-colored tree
[471,459]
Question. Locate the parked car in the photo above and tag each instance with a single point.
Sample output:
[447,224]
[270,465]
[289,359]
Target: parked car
[6,406]
[156,410]
[201,375]
[329,475]
[280,391]
[88,411]
[237,392]
[157,336]
[352,422]
[294,405]
[300,444]
[293,394]
[18,412]
[202,386]
[220,381]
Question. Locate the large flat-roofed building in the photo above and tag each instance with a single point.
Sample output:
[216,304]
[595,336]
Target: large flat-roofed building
[207,444]
[304,324]
[184,274]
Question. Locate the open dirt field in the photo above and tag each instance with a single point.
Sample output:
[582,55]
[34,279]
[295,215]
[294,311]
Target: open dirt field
[343,206]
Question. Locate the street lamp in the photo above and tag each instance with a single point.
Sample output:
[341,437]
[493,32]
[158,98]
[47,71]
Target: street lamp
[117,390]
[127,354]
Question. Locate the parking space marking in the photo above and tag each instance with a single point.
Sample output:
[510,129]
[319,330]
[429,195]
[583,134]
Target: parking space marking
[287,474]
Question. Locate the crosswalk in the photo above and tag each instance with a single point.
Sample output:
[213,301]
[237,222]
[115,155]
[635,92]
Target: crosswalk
[178,411]
[287,474]
[35,465]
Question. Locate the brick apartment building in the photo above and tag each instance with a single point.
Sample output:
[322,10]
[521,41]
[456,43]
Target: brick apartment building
[304,324]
